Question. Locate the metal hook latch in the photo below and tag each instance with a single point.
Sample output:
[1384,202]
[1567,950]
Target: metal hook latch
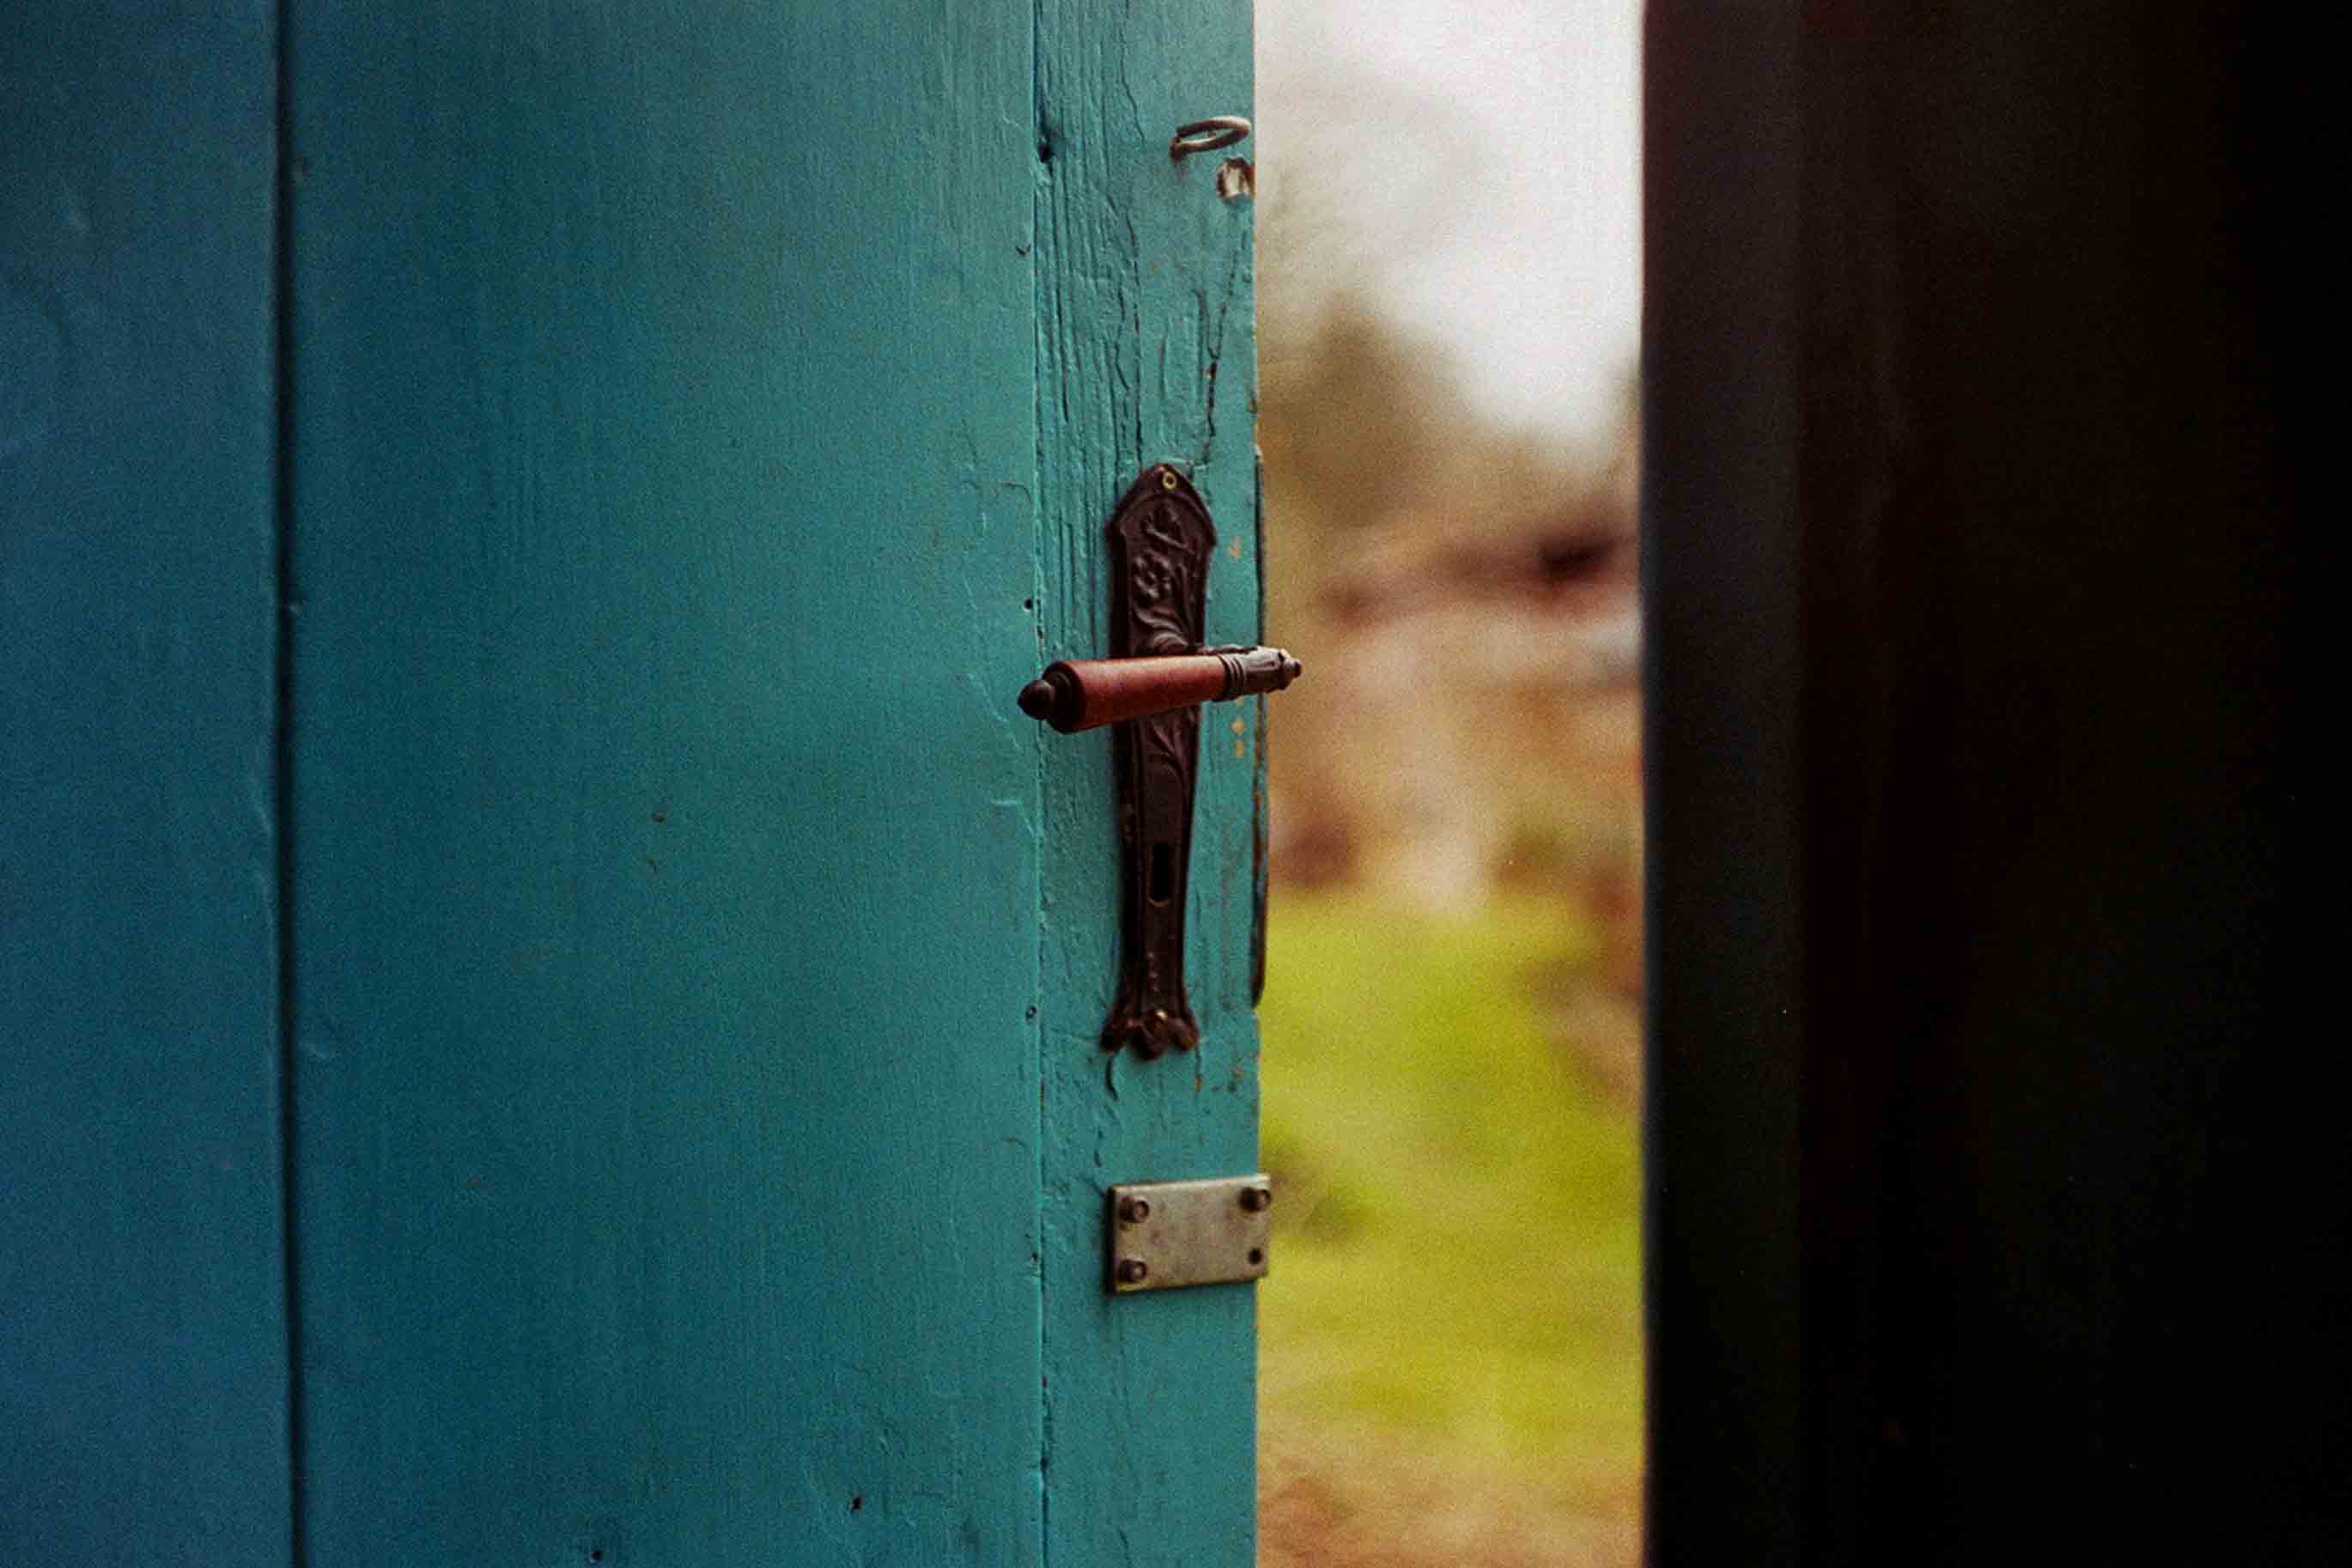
[1152,688]
[1206,135]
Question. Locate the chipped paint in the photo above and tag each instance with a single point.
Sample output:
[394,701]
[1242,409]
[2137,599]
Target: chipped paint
[1137,365]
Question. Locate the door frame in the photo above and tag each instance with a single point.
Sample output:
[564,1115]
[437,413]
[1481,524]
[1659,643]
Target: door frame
[1986,1157]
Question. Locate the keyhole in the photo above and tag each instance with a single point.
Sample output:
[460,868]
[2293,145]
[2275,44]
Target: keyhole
[1164,871]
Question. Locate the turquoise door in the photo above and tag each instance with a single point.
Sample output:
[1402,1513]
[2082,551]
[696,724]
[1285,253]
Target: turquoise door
[550,998]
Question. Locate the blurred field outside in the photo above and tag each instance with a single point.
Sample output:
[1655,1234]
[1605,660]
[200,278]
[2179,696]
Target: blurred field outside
[1450,1336]
[1451,1339]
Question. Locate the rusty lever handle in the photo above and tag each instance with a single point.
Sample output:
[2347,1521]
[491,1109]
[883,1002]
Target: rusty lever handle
[1081,693]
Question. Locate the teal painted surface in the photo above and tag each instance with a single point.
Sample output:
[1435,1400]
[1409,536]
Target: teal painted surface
[666,930]
[698,426]
[1146,352]
[142,1340]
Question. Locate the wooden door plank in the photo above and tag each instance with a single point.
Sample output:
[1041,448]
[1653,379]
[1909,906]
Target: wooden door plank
[143,1404]
[670,857]
[1146,354]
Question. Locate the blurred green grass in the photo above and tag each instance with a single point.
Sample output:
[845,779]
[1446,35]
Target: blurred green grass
[1458,1256]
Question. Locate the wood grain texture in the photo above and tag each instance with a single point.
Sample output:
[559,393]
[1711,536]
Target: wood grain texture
[667,1088]
[1145,354]
[142,1337]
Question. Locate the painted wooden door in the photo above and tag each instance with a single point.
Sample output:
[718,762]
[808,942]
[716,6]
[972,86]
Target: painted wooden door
[551,997]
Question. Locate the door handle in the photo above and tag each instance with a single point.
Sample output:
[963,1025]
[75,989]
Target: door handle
[1151,687]
[1077,694]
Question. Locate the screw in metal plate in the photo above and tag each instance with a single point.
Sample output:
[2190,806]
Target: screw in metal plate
[1133,1270]
[1134,1211]
[1256,1199]
[1167,479]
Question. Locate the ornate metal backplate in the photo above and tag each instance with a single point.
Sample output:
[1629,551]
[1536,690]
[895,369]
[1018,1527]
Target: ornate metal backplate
[1161,540]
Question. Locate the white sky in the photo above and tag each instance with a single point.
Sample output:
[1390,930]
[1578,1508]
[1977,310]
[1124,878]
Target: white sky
[1473,165]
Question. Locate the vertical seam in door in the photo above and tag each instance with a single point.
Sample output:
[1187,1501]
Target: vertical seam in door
[1039,513]
[282,347]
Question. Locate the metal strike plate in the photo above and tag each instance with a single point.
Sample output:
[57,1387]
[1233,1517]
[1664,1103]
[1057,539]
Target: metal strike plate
[1167,1234]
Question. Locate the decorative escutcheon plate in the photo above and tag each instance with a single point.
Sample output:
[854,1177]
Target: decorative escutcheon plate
[1160,541]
